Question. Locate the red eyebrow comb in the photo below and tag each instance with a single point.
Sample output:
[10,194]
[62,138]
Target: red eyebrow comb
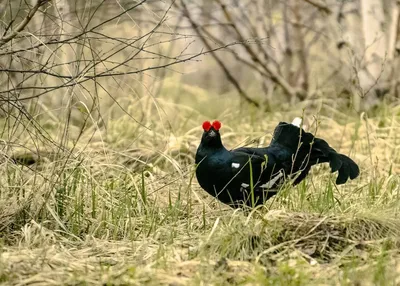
[216,124]
[206,126]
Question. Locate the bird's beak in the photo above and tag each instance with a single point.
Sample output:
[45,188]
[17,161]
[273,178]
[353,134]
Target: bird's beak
[212,133]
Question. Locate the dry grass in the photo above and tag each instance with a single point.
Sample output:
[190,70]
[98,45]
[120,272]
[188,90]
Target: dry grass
[124,206]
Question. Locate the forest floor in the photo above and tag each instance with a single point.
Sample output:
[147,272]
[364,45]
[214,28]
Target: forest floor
[125,208]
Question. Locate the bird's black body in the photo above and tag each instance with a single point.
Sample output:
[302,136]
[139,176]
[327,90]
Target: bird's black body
[225,174]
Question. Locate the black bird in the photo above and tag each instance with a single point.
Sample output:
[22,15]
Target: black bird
[226,175]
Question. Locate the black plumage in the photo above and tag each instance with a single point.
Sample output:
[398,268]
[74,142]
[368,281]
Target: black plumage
[292,152]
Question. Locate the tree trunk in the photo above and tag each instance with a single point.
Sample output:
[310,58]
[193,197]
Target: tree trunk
[375,49]
[394,49]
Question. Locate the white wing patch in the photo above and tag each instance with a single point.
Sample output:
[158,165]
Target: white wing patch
[270,183]
[297,122]
[267,186]
[235,165]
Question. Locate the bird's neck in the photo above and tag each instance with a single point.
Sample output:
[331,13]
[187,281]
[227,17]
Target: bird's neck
[216,147]
[205,150]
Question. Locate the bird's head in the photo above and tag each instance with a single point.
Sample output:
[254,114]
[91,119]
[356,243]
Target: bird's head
[211,136]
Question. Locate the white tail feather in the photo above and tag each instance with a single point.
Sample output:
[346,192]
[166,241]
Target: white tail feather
[297,122]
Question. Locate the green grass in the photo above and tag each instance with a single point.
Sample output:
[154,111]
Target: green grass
[125,207]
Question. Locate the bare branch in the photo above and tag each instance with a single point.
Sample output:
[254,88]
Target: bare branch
[320,6]
[228,74]
[274,76]
[21,26]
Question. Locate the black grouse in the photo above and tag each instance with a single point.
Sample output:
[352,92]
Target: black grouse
[225,174]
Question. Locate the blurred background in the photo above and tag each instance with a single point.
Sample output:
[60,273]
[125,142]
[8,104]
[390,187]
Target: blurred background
[85,60]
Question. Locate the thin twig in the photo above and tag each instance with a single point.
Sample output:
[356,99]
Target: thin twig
[21,26]
[228,74]
[320,6]
[274,76]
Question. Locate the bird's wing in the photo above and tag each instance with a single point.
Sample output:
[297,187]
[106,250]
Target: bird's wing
[242,159]
[256,161]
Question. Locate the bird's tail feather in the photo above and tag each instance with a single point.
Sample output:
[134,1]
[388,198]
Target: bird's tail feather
[345,166]
[310,150]
[348,169]
[288,135]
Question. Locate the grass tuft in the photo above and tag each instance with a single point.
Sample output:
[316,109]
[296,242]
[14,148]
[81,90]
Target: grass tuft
[122,205]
